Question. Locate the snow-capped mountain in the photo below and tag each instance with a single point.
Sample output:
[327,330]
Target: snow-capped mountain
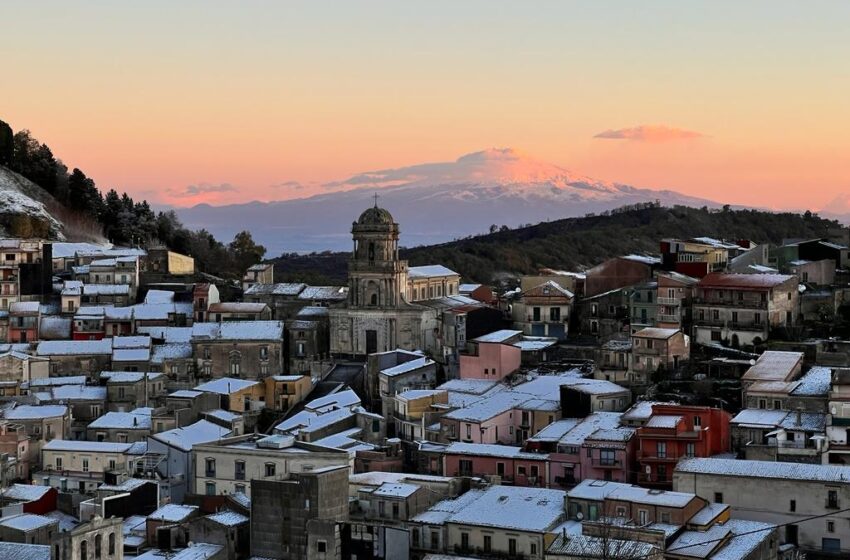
[20,197]
[432,202]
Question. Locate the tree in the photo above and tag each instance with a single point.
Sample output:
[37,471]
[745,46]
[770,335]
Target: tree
[246,252]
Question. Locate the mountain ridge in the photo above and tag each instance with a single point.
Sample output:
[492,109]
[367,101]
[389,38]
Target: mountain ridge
[433,202]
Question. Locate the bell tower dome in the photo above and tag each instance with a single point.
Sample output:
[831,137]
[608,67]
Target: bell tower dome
[377,278]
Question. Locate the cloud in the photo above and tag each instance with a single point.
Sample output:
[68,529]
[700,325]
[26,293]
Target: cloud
[649,133]
[293,185]
[203,188]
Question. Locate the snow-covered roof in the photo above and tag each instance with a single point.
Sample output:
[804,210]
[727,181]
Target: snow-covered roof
[600,490]
[310,421]
[493,450]
[128,376]
[78,393]
[346,398]
[535,344]
[747,537]
[33,412]
[407,367]
[442,510]
[430,271]
[168,334]
[226,385]
[19,307]
[765,469]
[774,365]
[173,513]
[412,394]
[320,293]
[640,411]
[707,514]
[25,492]
[237,307]
[643,259]
[106,289]
[556,430]
[468,386]
[238,330]
[131,355]
[278,289]
[27,522]
[499,337]
[228,518]
[815,383]
[20,551]
[656,333]
[513,508]
[185,394]
[223,415]
[578,545]
[664,421]
[395,490]
[588,425]
[74,347]
[54,328]
[123,420]
[184,438]
[86,446]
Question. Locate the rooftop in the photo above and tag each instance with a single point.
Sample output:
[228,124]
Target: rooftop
[407,367]
[186,437]
[238,330]
[656,333]
[430,271]
[226,385]
[766,469]
[599,490]
[86,446]
[774,365]
[173,513]
[508,507]
[744,281]
[493,450]
[499,337]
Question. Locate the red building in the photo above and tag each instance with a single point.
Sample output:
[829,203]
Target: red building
[24,317]
[512,465]
[39,500]
[675,432]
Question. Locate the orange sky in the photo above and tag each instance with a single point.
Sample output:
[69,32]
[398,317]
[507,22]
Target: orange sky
[224,102]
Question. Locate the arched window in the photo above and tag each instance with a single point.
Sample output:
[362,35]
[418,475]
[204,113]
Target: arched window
[371,250]
[374,299]
[111,543]
[84,549]
[98,545]
[235,363]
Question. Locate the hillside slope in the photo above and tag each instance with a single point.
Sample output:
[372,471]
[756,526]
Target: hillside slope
[576,243]
[24,208]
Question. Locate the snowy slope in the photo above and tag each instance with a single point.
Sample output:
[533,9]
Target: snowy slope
[19,196]
[433,202]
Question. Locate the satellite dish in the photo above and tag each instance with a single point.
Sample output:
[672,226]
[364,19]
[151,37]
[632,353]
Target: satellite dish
[579,516]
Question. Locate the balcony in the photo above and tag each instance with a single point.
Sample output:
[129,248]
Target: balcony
[607,463]
[734,303]
[669,319]
[669,301]
[719,323]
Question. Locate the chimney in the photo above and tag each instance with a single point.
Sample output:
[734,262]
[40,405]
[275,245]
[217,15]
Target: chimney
[799,416]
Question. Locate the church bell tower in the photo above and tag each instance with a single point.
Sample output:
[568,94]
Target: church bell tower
[377,278]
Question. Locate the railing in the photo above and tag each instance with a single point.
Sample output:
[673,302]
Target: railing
[669,318]
[607,463]
[668,301]
[746,304]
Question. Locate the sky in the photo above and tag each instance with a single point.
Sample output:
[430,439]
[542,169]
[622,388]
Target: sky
[223,102]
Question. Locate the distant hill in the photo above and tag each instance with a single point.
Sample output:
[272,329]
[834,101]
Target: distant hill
[27,210]
[575,243]
[434,202]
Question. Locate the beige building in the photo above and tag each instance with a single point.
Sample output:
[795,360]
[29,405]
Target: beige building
[248,349]
[99,538]
[81,466]
[229,465]
[655,348]
[430,282]
[261,273]
[17,367]
[784,494]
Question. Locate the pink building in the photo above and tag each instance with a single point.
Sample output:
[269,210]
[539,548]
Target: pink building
[493,356]
[584,448]
[512,465]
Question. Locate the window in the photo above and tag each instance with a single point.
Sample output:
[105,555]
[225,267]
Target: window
[210,467]
[533,549]
[512,547]
[661,449]
[594,310]
[554,313]
[830,526]
[464,541]
[832,499]
[777,404]
[210,488]
[270,469]
[395,510]
[792,506]
[650,344]
[468,431]
[207,353]
[58,463]
[239,470]
[718,497]
[662,473]
[665,517]
[607,457]
[111,543]
[690,450]
[697,421]
[643,517]
[85,465]
[322,546]
[488,543]
[520,470]
[535,471]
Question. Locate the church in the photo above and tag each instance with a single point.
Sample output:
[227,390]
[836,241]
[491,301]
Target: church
[378,316]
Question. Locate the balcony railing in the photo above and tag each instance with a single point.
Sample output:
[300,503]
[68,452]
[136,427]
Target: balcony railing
[668,301]
[669,319]
[607,463]
[743,304]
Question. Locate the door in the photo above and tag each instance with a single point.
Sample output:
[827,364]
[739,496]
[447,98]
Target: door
[537,329]
[791,534]
[371,342]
